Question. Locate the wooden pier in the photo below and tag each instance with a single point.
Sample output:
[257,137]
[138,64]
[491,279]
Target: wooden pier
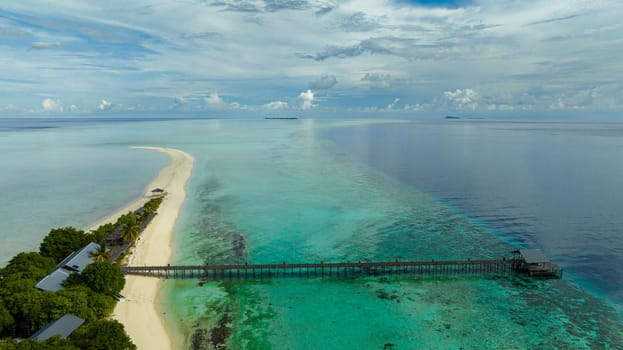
[518,265]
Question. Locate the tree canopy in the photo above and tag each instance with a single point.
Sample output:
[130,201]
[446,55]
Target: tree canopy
[61,242]
[101,254]
[102,335]
[102,232]
[29,265]
[103,278]
[152,205]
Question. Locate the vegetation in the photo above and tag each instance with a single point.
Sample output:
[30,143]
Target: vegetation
[27,266]
[101,233]
[54,343]
[61,242]
[102,335]
[88,295]
[131,226]
[101,254]
[103,278]
[152,205]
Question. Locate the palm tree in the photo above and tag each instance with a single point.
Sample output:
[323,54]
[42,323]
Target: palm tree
[130,232]
[102,254]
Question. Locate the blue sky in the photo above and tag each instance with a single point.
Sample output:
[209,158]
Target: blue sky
[311,57]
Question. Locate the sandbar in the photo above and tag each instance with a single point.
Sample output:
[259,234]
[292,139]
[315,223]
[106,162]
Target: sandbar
[139,312]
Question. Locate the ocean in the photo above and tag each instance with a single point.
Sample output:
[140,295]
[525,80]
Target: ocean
[266,191]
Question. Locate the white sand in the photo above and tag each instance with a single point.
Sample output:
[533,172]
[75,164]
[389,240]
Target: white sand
[139,313]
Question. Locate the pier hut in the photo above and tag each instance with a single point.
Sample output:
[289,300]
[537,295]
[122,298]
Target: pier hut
[533,263]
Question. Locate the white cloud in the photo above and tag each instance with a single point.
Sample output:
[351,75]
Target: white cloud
[73,108]
[42,45]
[276,105]
[323,83]
[214,99]
[306,99]
[50,105]
[506,49]
[378,80]
[393,104]
[461,99]
[105,105]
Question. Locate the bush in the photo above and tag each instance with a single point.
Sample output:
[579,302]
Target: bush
[103,278]
[61,242]
[102,232]
[102,335]
[28,266]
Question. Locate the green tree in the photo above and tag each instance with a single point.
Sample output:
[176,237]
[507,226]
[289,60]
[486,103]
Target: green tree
[102,232]
[61,242]
[101,254]
[130,232]
[103,278]
[152,205]
[27,309]
[54,343]
[102,335]
[28,266]
[131,227]
[126,219]
[6,319]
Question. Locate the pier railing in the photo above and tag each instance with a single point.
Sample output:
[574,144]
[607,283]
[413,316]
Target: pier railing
[501,267]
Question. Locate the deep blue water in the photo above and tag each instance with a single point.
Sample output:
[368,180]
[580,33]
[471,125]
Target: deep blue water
[553,186]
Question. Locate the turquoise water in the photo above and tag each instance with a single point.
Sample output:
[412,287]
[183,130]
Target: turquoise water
[273,191]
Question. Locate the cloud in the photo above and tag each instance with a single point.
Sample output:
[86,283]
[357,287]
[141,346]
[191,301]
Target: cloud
[276,105]
[200,36]
[42,45]
[306,99]
[323,83]
[50,105]
[529,56]
[461,99]
[105,105]
[395,46]
[324,10]
[393,104]
[277,5]
[359,22]
[378,80]
[214,99]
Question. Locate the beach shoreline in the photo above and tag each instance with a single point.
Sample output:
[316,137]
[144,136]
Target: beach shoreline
[139,313]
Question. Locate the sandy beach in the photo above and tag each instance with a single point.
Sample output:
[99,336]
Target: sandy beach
[139,313]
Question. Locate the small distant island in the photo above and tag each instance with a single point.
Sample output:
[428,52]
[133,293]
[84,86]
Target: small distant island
[282,118]
[452,117]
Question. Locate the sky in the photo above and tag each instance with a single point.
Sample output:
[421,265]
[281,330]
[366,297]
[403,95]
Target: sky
[311,57]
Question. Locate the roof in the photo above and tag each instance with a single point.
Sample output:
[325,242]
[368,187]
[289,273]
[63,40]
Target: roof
[115,235]
[79,259]
[75,262]
[533,256]
[54,281]
[64,326]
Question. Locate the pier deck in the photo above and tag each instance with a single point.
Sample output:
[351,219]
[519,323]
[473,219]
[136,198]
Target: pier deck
[501,267]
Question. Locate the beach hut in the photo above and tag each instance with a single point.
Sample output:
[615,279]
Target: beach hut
[157,192]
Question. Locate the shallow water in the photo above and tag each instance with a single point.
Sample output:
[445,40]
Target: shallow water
[272,192]
[57,174]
